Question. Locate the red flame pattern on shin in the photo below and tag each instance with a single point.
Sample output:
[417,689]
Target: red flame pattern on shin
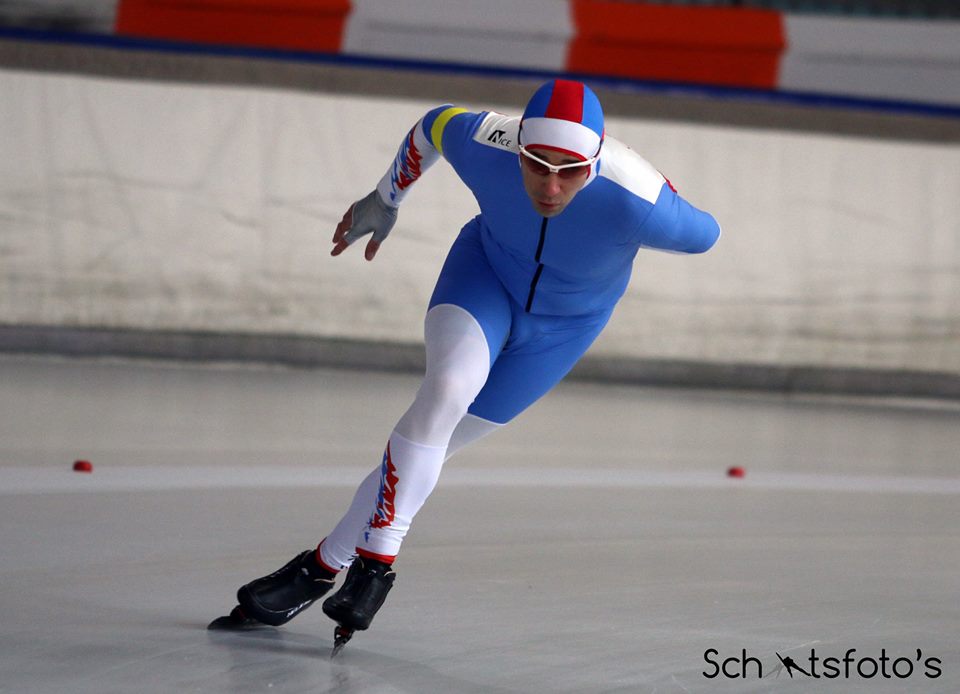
[386,510]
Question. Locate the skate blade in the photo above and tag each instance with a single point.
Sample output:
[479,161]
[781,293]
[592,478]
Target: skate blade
[235,621]
[340,637]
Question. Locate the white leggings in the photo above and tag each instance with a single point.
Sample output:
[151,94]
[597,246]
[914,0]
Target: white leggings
[434,427]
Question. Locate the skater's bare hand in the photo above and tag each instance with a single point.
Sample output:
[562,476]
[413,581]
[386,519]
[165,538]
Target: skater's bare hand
[371,215]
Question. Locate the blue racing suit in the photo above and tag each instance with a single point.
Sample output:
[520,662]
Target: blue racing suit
[540,288]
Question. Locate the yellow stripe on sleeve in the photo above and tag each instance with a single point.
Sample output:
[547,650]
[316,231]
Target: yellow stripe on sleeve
[436,132]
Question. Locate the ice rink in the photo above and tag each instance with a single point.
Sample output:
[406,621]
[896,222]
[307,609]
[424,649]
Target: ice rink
[594,545]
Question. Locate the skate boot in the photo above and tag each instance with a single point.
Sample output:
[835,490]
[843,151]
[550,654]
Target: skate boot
[235,621]
[361,595]
[281,596]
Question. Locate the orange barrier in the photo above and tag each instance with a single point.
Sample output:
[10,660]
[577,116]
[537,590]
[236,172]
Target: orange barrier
[739,47]
[311,25]
[722,46]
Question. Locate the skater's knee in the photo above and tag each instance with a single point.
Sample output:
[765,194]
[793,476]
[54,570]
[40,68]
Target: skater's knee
[450,390]
[442,401]
[456,388]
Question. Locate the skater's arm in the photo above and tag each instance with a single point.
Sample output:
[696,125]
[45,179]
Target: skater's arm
[674,225]
[421,148]
[377,212]
[665,221]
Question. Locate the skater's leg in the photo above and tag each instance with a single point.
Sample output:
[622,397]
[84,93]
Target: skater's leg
[516,381]
[540,352]
[471,428]
[467,324]
[458,361]
[339,548]
[457,364]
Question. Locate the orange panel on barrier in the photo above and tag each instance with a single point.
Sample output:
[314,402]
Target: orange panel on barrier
[311,25]
[708,45]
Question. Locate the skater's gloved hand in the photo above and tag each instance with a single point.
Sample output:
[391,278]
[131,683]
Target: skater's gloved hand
[369,215]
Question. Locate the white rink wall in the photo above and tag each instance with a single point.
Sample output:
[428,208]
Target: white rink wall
[882,58]
[165,206]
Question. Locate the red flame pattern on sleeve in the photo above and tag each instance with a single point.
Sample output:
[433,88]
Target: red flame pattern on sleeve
[408,164]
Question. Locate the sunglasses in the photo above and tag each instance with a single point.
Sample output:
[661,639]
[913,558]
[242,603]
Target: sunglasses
[565,171]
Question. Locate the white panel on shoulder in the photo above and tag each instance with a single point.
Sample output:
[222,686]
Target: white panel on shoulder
[622,165]
[500,131]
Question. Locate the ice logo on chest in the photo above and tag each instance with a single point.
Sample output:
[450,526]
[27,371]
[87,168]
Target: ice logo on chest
[499,137]
[498,131]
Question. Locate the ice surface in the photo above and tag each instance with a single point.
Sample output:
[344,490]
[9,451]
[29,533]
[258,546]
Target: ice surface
[594,545]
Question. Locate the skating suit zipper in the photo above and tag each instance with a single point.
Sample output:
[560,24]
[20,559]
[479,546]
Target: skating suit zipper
[536,275]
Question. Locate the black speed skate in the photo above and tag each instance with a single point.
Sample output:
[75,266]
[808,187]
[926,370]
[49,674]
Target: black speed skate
[279,597]
[235,621]
[355,604]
